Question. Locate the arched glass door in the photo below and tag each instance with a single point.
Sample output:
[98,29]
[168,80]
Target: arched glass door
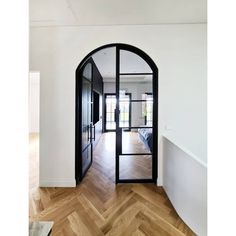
[136,143]
[133,108]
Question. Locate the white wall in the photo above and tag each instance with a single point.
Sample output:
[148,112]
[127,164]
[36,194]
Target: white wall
[179,51]
[185,182]
[34,87]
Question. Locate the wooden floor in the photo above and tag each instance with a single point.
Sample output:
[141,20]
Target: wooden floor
[131,167]
[99,207]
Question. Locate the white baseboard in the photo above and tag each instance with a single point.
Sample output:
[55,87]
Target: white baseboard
[159,183]
[57,183]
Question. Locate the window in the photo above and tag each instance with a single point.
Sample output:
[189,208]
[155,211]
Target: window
[125,106]
[110,103]
[147,108]
[124,109]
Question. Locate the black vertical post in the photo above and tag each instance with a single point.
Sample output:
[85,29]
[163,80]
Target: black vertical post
[118,133]
[130,110]
[155,124]
[91,107]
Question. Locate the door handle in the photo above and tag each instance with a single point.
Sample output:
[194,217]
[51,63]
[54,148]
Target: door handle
[88,132]
[92,132]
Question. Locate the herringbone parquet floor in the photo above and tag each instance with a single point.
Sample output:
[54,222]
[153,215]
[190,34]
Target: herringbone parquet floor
[99,207]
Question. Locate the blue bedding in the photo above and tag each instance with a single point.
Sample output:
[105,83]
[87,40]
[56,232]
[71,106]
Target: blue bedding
[145,135]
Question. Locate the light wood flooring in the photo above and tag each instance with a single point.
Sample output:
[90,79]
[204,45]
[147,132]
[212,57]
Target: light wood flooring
[99,207]
[131,167]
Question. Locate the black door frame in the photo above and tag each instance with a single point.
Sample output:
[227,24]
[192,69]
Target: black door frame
[78,126]
[150,62]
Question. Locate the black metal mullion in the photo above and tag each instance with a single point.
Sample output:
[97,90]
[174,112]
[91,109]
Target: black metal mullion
[134,101]
[91,111]
[133,73]
[135,180]
[118,133]
[105,113]
[130,110]
[136,154]
[140,127]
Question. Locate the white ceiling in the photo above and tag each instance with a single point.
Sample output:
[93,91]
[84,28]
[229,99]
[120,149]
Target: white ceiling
[106,62]
[114,12]
[129,63]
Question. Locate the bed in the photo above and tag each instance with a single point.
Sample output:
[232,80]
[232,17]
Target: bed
[145,134]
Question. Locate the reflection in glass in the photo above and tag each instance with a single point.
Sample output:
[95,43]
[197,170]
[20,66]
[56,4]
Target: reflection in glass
[137,85]
[87,73]
[86,112]
[124,106]
[110,112]
[138,65]
[147,107]
[135,167]
[137,141]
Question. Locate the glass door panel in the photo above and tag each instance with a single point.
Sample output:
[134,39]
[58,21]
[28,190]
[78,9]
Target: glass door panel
[137,141]
[86,112]
[86,116]
[147,108]
[110,106]
[135,144]
[110,103]
[138,65]
[140,113]
[135,167]
[137,85]
[125,106]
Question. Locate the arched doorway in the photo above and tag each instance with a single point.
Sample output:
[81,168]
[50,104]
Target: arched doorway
[146,103]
